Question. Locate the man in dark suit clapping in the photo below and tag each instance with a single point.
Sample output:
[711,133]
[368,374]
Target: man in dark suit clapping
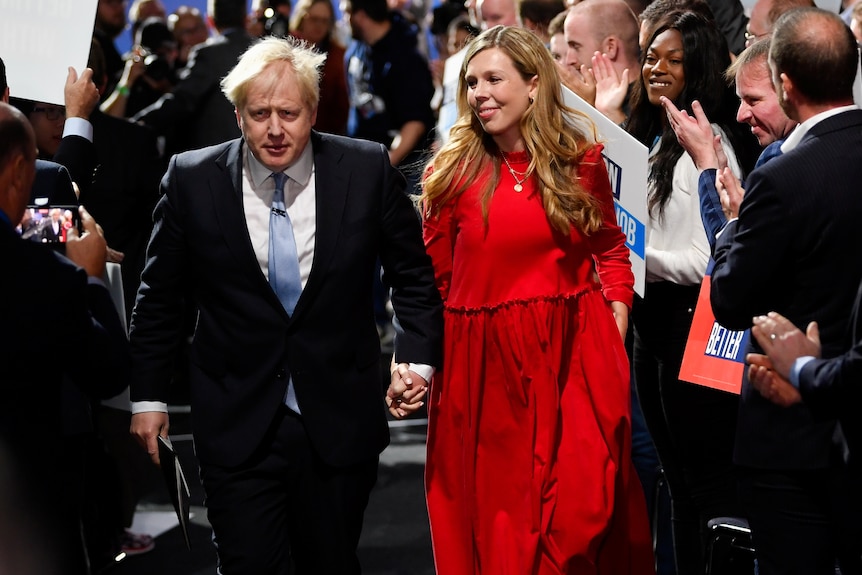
[276,236]
[785,252]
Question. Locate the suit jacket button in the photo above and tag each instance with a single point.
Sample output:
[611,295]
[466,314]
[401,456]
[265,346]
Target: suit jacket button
[281,374]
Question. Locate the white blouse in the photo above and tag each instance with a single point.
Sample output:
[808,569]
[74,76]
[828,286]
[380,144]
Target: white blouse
[676,246]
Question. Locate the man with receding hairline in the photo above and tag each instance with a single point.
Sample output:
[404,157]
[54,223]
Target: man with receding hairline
[610,28]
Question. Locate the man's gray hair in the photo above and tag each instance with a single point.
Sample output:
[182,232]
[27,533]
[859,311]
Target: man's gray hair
[306,64]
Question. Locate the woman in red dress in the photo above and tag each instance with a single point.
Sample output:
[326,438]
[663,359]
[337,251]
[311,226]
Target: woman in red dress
[529,468]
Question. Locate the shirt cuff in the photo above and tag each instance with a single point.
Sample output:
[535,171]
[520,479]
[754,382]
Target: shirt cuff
[424,371]
[144,406]
[721,231]
[797,369]
[78,127]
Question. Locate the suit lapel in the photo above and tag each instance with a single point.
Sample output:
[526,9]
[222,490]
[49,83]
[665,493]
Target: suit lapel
[331,187]
[226,191]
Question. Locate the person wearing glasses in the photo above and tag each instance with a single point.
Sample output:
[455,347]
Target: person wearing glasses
[47,121]
[75,151]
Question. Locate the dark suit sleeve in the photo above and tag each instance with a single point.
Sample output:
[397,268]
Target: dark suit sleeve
[407,270]
[833,384]
[156,329]
[749,256]
[63,194]
[53,182]
[98,348]
[711,212]
[826,384]
[78,154]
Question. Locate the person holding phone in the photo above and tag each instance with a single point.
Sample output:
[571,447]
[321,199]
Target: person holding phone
[91,351]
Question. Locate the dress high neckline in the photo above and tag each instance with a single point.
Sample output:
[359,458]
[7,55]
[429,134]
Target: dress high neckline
[522,157]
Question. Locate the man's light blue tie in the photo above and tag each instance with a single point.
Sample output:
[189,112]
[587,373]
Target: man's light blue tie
[283,260]
[283,264]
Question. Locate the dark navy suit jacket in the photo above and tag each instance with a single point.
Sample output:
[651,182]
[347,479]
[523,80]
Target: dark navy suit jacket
[86,345]
[53,185]
[787,252]
[245,345]
[833,387]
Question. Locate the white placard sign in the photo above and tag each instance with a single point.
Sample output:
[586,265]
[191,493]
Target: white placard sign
[39,40]
[627,163]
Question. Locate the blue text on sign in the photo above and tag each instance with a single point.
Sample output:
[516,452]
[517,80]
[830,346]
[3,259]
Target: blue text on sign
[634,230]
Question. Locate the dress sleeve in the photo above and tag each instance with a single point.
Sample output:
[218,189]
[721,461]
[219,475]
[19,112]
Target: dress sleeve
[438,231]
[608,244]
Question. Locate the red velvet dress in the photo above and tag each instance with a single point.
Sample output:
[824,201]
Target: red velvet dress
[529,442]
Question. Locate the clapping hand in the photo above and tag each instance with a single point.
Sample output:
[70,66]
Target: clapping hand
[783,343]
[580,81]
[694,133]
[611,88]
[730,191]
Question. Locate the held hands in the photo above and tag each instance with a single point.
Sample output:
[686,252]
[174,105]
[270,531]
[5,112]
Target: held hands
[406,390]
[146,426]
[88,250]
[80,94]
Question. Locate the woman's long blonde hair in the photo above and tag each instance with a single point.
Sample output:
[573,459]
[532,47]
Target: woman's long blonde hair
[556,138]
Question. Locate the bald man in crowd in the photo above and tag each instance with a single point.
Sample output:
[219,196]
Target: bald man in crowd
[607,27]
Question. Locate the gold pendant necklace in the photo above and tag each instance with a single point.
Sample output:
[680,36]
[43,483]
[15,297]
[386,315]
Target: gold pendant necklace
[518,181]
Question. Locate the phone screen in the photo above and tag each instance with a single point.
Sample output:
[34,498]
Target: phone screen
[49,224]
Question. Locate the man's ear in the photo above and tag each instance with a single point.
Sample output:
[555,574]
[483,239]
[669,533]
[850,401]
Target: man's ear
[611,47]
[238,118]
[5,96]
[787,87]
